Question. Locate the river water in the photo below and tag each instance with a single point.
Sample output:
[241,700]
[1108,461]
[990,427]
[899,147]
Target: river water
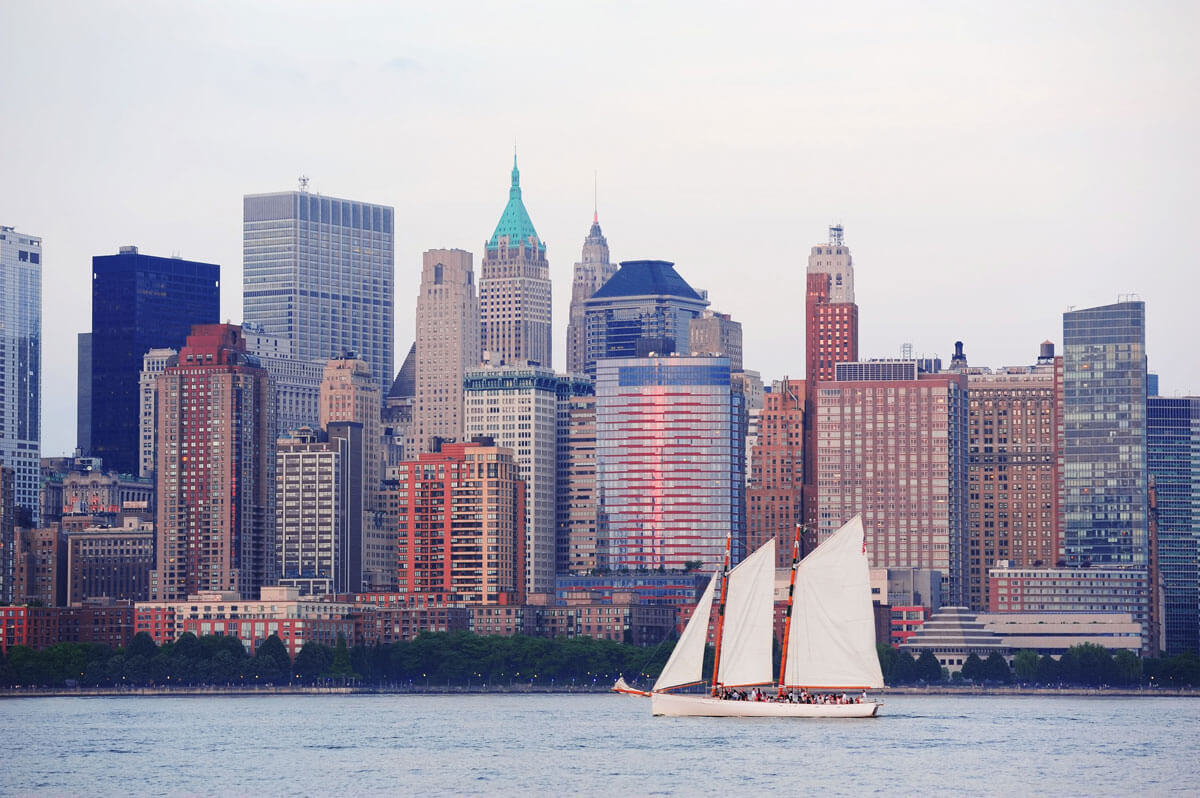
[591,745]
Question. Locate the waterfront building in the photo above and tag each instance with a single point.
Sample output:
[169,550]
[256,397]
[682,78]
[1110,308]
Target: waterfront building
[40,566]
[216,469]
[461,514]
[645,299]
[518,406]
[619,617]
[1012,470]
[514,288]
[139,302]
[1173,460]
[892,445]
[297,381]
[7,533]
[110,562]
[576,536]
[652,588]
[399,617]
[278,611]
[105,623]
[310,517]
[21,366]
[319,272]
[591,272]
[669,462]
[447,345]
[774,493]
[154,362]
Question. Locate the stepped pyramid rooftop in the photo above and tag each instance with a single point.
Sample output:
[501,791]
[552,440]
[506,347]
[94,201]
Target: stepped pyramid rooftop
[646,278]
[515,223]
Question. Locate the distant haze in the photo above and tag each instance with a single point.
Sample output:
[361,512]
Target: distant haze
[993,163]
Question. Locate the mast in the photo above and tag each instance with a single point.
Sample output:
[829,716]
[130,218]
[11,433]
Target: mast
[787,616]
[721,613]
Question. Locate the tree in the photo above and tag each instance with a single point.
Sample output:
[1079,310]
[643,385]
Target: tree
[143,645]
[341,668]
[995,669]
[972,669]
[904,670]
[311,663]
[271,663]
[929,670]
[1025,664]
[1128,667]
[887,660]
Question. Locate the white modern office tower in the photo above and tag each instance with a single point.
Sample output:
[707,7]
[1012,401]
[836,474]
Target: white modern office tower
[447,346]
[21,365]
[518,407]
[154,362]
[319,271]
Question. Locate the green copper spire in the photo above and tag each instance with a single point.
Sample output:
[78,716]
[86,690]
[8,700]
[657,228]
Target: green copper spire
[515,222]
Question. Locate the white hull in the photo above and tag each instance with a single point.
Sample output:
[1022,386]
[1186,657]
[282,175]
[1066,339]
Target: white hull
[675,705]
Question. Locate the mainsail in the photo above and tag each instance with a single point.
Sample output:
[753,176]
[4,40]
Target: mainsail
[832,639]
[686,664]
[748,630]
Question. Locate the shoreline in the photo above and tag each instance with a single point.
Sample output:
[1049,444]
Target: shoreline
[287,690]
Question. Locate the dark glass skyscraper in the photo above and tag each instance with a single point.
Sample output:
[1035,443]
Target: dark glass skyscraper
[1104,425]
[139,302]
[1173,459]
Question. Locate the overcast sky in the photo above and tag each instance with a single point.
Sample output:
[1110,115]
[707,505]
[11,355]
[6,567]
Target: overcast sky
[993,163]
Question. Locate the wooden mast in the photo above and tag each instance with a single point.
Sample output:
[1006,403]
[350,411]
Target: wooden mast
[787,615]
[721,615]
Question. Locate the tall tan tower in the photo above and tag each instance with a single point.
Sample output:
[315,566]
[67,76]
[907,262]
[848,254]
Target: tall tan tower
[591,273]
[215,469]
[447,346]
[514,288]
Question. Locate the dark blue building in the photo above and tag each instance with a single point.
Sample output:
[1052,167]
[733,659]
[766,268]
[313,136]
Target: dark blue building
[139,302]
[1173,460]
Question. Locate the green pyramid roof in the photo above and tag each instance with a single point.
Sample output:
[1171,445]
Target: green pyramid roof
[515,222]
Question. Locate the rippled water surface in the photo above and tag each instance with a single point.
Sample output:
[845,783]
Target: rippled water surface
[592,745]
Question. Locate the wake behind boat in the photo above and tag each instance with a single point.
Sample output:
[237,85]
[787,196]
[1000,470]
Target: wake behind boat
[828,645]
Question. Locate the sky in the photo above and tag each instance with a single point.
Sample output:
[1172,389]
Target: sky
[994,164]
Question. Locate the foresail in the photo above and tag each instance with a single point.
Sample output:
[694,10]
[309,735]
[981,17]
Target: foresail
[832,639]
[686,663]
[749,620]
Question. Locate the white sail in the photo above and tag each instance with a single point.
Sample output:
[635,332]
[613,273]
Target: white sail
[749,619]
[686,663]
[832,638]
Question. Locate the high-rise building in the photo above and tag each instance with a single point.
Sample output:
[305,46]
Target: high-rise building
[447,345]
[318,271]
[112,562]
[713,333]
[1104,421]
[139,302]
[40,567]
[462,526]
[310,523]
[21,366]
[576,538]
[774,492]
[831,315]
[154,363]
[1173,460]
[398,408]
[349,393]
[514,288]
[645,299]
[1012,471]
[591,273]
[518,407]
[892,445]
[216,470]
[297,381]
[669,463]
[7,534]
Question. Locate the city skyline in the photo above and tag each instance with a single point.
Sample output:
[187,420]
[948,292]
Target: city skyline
[969,154]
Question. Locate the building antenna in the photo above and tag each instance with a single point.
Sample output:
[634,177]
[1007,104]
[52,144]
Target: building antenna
[304,184]
[595,196]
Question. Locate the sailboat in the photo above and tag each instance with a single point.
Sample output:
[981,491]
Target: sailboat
[828,641]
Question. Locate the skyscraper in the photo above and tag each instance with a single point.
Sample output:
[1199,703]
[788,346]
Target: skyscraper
[774,493]
[154,363]
[514,287]
[830,314]
[319,271]
[670,475]
[216,470]
[644,299]
[310,523]
[297,381]
[447,345]
[591,272]
[139,302]
[713,333]
[21,366]
[1173,459]
[892,445]
[1104,423]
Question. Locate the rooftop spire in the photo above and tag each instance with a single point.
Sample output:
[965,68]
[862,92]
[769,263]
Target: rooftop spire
[514,222]
[515,191]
